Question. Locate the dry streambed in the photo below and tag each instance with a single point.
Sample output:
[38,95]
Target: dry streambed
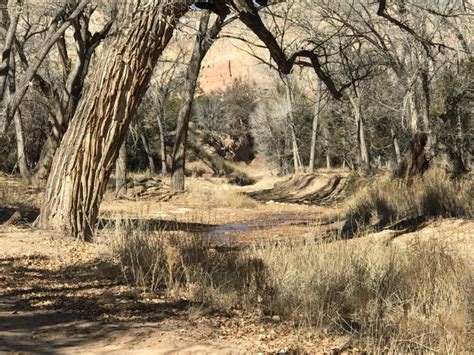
[58,295]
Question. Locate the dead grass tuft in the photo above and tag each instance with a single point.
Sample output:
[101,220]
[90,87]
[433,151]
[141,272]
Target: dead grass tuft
[407,300]
[413,299]
[155,260]
[386,201]
[234,199]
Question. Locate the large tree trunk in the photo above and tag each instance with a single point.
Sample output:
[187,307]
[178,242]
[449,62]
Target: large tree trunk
[178,156]
[314,131]
[85,159]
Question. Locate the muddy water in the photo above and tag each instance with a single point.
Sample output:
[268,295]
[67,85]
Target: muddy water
[226,233]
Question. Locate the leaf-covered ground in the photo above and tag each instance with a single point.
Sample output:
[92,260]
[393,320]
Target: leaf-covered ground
[60,296]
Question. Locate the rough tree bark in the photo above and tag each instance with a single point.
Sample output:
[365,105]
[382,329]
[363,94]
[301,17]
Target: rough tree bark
[85,159]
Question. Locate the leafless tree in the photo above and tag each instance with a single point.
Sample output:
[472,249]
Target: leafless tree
[205,37]
[90,146]
[39,39]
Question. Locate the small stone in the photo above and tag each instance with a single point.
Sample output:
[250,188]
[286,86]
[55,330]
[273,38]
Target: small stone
[276,318]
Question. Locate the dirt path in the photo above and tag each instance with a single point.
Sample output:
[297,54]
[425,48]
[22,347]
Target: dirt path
[55,332]
[60,296]
[65,297]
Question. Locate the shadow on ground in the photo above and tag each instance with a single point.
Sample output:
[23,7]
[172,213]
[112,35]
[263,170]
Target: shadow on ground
[46,310]
[155,224]
[24,214]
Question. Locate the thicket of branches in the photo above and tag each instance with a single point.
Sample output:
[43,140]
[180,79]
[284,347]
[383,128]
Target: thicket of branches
[356,83]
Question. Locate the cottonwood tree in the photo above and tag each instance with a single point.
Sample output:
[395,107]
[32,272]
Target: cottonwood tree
[90,146]
[413,40]
[274,138]
[205,37]
[454,122]
[83,163]
[54,31]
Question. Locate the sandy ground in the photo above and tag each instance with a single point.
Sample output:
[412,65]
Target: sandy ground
[62,296]
[59,296]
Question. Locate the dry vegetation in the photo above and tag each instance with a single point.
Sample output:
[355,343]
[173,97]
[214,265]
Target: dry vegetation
[388,297]
[387,202]
[233,215]
[383,296]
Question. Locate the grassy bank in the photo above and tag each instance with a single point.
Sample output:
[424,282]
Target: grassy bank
[386,296]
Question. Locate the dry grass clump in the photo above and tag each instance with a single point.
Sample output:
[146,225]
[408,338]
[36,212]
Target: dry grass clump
[403,299]
[155,260]
[417,299]
[143,256]
[234,199]
[435,195]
